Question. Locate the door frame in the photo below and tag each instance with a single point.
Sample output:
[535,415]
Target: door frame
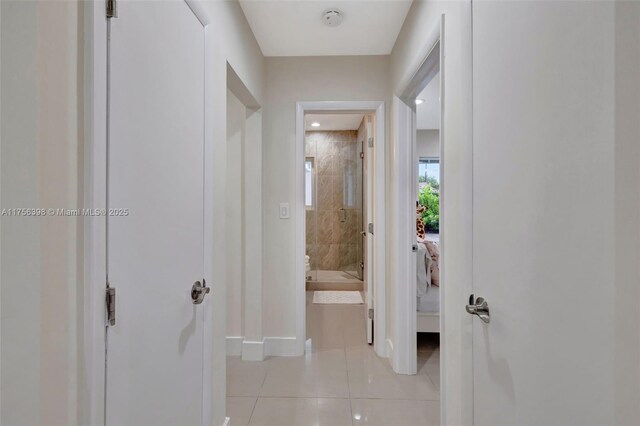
[404,359]
[456,363]
[377,241]
[94,228]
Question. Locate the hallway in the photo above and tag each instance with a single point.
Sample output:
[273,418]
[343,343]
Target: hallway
[340,381]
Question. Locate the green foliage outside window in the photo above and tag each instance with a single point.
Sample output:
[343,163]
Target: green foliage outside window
[429,198]
[433,182]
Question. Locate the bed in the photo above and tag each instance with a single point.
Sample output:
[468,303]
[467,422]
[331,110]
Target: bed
[428,288]
[428,320]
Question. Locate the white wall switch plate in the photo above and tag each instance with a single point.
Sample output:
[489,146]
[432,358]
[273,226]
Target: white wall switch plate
[284,210]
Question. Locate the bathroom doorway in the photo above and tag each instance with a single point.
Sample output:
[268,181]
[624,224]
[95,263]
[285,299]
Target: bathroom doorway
[340,222]
[335,200]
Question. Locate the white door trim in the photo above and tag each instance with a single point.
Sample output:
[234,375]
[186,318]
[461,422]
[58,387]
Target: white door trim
[404,360]
[456,401]
[95,195]
[378,239]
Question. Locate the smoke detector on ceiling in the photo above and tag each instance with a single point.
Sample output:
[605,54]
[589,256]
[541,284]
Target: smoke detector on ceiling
[332,17]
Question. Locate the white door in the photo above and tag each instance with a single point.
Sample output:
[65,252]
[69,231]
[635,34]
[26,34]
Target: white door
[542,217]
[368,215]
[155,253]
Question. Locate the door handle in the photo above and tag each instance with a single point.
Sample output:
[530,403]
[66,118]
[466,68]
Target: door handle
[480,308]
[199,291]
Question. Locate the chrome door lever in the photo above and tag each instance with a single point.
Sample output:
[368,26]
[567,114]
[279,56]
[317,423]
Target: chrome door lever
[199,291]
[480,308]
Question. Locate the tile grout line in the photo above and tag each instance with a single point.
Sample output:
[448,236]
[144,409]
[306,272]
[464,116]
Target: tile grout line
[255,404]
[375,398]
[253,409]
[346,363]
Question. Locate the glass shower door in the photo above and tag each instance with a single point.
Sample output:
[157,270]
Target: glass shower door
[352,211]
[311,207]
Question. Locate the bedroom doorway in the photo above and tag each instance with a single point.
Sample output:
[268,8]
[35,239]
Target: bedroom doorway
[427,162]
[420,190]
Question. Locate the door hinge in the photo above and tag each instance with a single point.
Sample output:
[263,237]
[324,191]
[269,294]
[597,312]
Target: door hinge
[370,313]
[371,228]
[371,142]
[111,305]
[362,155]
[111,8]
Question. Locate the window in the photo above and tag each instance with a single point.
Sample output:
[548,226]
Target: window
[349,189]
[308,182]
[429,173]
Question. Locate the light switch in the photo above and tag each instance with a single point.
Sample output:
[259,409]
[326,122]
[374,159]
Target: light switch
[284,210]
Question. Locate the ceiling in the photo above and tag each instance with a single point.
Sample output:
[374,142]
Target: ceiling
[333,121]
[428,112]
[295,28]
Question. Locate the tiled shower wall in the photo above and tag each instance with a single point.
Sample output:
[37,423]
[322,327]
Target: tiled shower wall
[333,235]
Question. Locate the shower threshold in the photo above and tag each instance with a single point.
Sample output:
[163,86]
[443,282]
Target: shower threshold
[334,280]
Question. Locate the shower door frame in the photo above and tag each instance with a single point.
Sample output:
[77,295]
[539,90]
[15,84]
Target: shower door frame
[376,241]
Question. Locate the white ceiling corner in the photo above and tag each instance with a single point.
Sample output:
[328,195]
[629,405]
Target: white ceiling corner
[295,28]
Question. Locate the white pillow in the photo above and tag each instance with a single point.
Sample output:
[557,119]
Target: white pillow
[423,266]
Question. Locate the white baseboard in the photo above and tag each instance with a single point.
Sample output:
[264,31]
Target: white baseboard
[227,421]
[280,346]
[389,349]
[253,350]
[257,351]
[234,345]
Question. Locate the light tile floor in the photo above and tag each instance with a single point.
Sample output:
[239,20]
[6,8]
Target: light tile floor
[340,381]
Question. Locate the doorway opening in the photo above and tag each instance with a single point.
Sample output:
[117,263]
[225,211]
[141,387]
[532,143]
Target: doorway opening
[340,217]
[420,202]
[427,162]
[336,217]
[243,179]
[335,200]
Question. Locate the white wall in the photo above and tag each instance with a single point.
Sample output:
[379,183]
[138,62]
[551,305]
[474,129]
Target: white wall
[288,80]
[627,214]
[233,45]
[411,49]
[428,143]
[42,65]
[236,112]
[41,257]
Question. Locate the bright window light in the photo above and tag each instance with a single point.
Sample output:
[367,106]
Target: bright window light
[419,101]
[315,124]
[308,182]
